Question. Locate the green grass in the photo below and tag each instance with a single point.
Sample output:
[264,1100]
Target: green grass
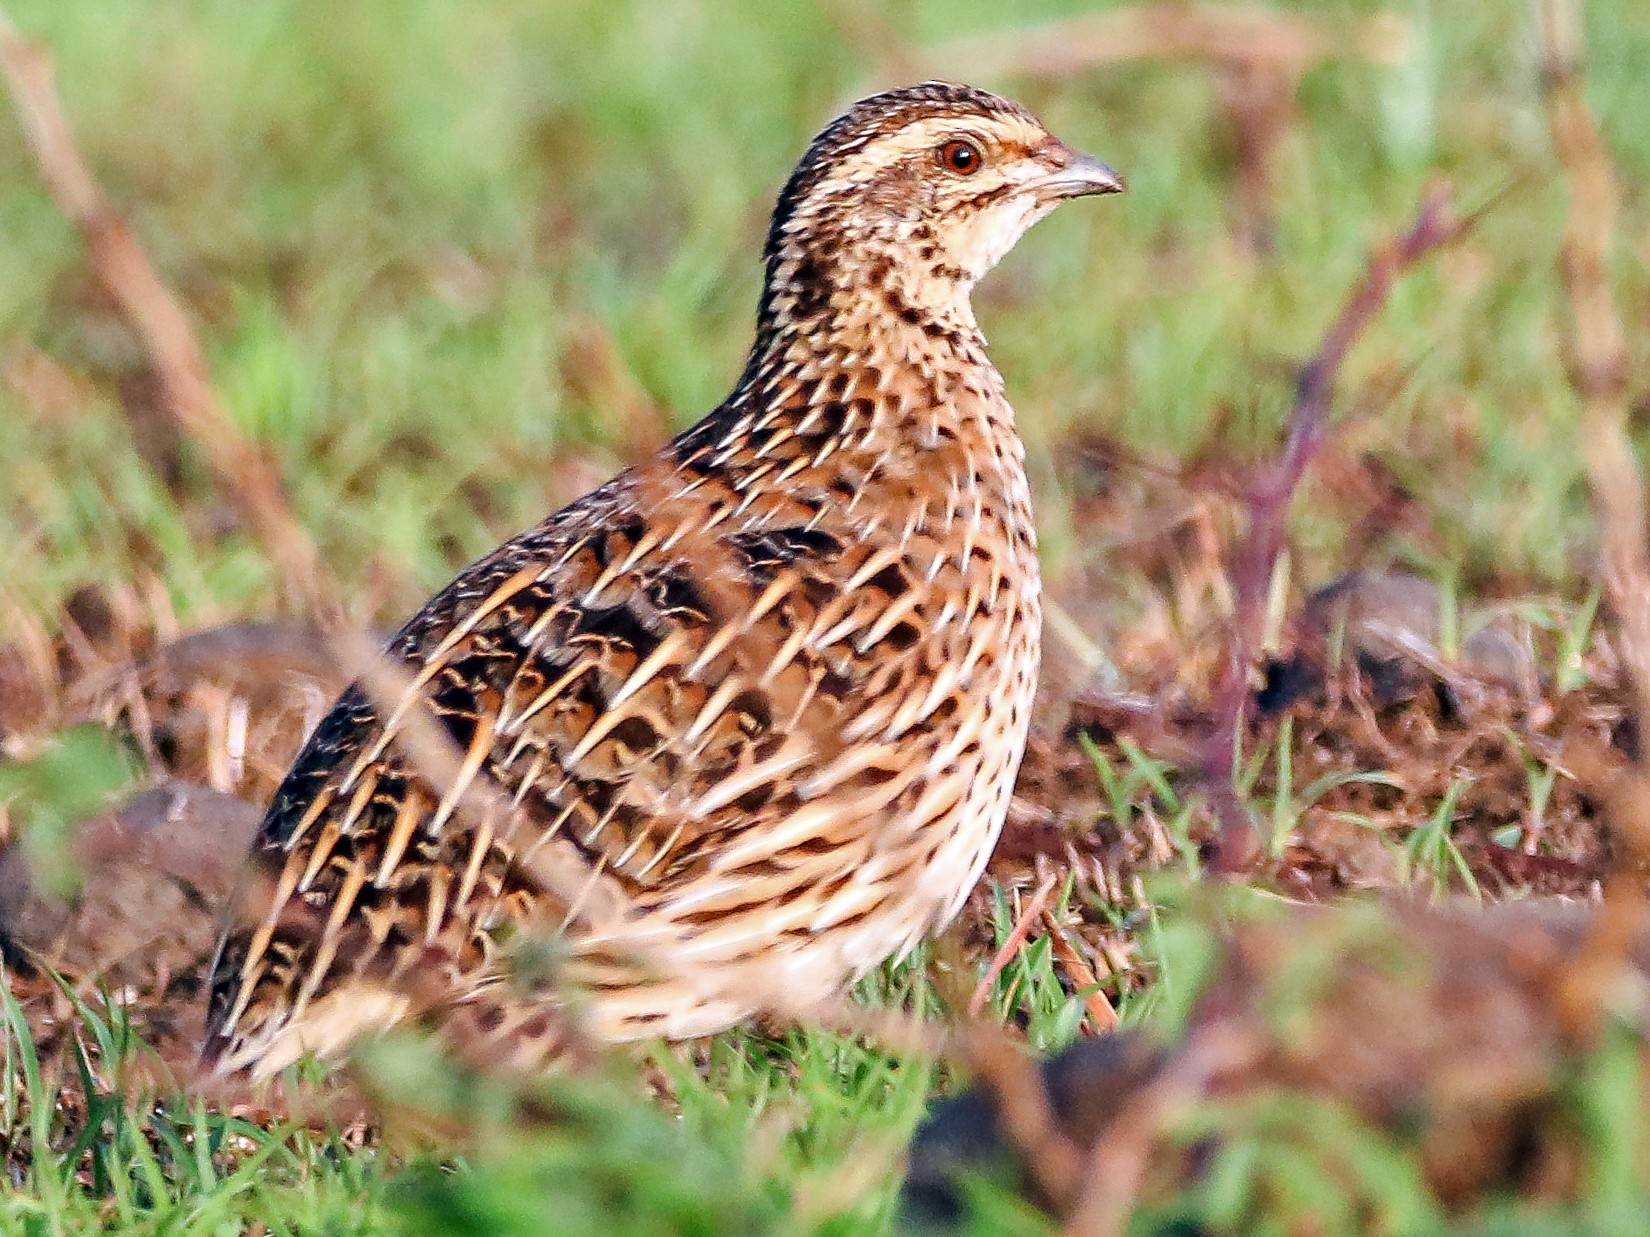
[392,220]
[801,1134]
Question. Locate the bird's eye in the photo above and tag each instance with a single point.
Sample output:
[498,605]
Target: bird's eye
[963,158]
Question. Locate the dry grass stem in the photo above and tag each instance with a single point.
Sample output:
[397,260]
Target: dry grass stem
[247,481]
[1101,1016]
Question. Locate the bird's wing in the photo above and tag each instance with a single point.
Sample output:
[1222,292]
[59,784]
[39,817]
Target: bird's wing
[685,707]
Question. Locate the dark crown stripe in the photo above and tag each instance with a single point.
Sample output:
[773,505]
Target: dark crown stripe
[869,119]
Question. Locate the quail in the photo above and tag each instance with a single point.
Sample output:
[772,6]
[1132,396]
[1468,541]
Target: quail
[760,700]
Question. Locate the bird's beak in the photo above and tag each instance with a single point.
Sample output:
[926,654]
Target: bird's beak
[1075,175]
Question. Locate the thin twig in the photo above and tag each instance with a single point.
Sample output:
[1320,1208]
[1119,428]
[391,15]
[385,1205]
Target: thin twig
[1011,945]
[1268,501]
[246,480]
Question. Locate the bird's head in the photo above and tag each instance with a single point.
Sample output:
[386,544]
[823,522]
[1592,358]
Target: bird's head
[913,195]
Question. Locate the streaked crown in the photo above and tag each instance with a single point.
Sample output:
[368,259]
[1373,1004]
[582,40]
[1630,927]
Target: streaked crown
[922,189]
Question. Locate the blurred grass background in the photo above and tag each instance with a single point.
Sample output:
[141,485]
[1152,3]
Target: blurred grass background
[452,262]
[401,225]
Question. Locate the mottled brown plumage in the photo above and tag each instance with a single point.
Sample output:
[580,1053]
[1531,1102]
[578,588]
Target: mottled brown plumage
[757,704]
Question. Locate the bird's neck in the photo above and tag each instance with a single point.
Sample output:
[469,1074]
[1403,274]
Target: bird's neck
[872,375]
[845,385]
[884,361]
[896,293]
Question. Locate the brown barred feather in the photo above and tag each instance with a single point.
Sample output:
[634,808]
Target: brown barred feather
[758,704]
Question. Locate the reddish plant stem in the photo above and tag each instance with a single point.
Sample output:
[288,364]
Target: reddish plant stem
[1267,502]
[1102,1018]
